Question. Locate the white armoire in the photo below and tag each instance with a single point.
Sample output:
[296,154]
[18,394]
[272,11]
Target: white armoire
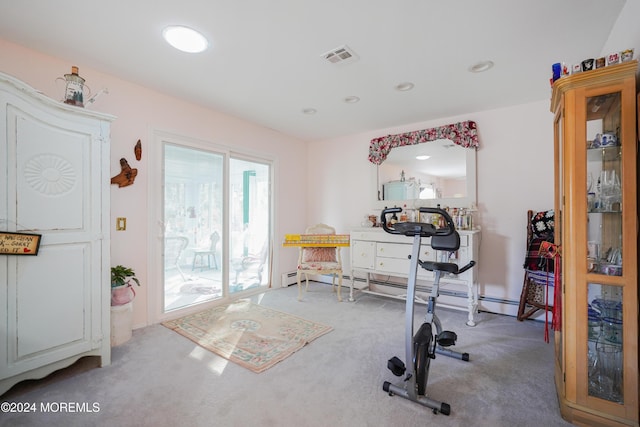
[54,181]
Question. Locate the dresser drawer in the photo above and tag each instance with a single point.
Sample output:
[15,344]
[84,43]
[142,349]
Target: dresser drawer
[393,265]
[402,251]
[363,254]
[400,267]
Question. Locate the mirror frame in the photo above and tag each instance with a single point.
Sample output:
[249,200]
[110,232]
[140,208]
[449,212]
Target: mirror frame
[464,134]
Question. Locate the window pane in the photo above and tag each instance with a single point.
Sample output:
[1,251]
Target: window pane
[193,226]
[249,224]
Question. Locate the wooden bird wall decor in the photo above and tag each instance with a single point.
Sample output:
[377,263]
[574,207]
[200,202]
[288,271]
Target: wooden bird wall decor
[138,150]
[126,176]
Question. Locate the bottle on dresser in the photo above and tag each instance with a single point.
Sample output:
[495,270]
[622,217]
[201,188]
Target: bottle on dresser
[403,214]
[435,218]
[394,218]
[441,222]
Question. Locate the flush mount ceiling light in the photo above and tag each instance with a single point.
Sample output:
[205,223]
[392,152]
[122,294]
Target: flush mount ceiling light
[403,87]
[185,39]
[481,66]
[422,157]
[351,99]
[309,111]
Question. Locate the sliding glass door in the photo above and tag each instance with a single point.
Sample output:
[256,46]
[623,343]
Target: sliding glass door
[249,243]
[216,223]
[193,220]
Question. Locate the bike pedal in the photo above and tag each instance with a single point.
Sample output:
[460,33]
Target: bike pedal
[396,366]
[446,338]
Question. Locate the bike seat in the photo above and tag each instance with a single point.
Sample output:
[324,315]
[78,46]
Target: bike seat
[447,267]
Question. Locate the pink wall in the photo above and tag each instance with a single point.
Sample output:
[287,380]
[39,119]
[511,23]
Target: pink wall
[139,112]
[515,173]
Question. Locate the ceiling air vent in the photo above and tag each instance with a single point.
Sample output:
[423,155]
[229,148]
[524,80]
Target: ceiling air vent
[342,54]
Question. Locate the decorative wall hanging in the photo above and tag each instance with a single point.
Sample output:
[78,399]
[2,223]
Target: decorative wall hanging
[138,150]
[19,243]
[462,133]
[126,176]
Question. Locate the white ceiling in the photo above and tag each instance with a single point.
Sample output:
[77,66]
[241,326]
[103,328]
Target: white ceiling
[265,61]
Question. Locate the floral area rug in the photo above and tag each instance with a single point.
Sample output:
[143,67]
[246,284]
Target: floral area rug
[248,334]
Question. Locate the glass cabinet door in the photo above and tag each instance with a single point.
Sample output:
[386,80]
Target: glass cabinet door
[605,349]
[604,247]
[559,207]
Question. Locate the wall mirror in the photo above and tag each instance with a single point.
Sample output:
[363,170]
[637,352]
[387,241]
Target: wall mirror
[427,173]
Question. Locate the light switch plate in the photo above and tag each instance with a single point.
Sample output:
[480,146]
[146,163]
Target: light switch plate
[121,224]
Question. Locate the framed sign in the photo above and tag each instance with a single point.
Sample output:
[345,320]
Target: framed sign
[19,243]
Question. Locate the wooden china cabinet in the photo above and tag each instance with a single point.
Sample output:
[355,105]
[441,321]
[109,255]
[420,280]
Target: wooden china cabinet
[596,370]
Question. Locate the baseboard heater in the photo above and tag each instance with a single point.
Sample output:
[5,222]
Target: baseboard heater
[498,300]
[288,279]
[419,288]
[291,278]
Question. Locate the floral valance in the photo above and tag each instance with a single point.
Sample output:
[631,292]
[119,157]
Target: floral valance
[463,133]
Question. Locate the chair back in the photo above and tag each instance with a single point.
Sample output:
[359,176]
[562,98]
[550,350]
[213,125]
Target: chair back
[320,255]
[320,260]
[320,229]
[215,238]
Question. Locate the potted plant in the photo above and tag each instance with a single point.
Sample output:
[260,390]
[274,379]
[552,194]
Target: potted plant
[121,290]
[122,293]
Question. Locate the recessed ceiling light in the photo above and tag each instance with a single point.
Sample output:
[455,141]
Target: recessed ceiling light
[351,99]
[309,111]
[403,87]
[185,39]
[481,66]
[423,157]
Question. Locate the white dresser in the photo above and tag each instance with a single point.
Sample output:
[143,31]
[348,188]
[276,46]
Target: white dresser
[54,167]
[376,252]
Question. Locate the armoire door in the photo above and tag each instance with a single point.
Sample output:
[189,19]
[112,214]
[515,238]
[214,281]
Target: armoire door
[53,189]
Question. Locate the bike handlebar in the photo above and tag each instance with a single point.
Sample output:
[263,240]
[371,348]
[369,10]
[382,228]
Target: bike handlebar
[413,228]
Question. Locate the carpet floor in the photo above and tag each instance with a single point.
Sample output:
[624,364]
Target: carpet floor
[160,378]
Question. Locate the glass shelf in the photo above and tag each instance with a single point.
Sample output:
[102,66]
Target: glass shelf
[596,211]
[606,154]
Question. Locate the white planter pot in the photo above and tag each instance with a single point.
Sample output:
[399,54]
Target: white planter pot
[121,323]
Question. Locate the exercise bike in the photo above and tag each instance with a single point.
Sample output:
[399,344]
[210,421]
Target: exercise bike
[423,346]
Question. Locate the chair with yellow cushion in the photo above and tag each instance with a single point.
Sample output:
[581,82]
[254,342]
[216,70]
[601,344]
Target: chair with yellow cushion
[319,260]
